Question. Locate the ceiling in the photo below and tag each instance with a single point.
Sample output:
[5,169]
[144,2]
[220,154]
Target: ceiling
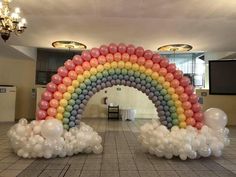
[207,25]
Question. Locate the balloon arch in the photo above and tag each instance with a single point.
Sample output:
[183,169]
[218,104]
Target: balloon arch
[172,94]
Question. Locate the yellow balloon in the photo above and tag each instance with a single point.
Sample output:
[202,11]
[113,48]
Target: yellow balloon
[59,116]
[178,103]
[182,117]
[114,64]
[107,66]
[86,74]
[182,125]
[166,85]
[175,97]
[161,79]
[63,102]
[93,71]
[70,89]
[66,95]
[171,90]
[61,109]
[148,72]
[100,68]
[180,110]
[121,64]
[75,83]
[142,69]
[80,78]
[135,67]
[155,75]
[128,65]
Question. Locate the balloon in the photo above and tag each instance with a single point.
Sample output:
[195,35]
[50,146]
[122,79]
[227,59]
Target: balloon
[189,89]
[199,125]
[79,69]
[86,65]
[94,52]
[189,113]
[169,77]
[191,121]
[171,68]
[54,103]
[62,71]
[193,98]
[109,58]
[187,105]
[47,96]
[163,71]
[94,62]
[101,59]
[104,50]
[178,74]
[41,114]
[56,78]
[86,55]
[148,64]
[141,61]
[184,81]
[122,48]
[183,97]
[52,112]
[72,75]
[156,67]
[69,64]
[52,129]
[43,104]
[61,88]
[198,116]
[67,81]
[139,51]
[117,56]
[215,118]
[112,48]
[148,54]
[156,58]
[130,49]
[174,83]
[77,59]
[179,90]
[196,107]
[164,63]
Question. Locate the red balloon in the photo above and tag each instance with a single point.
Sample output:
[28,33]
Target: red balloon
[139,51]
[109,58]
[47,96]
[77,60]
[94,52]
[62,71]
[196,107]
[43,104]
[69,64]
[94,62]
[141,61]
[122,48]
[189,89]
[130,49]
[101,59]
[169,77]
[183,97]
[62,88]
[190,121]
[148,64]
[188,113]
[67,81]
[79,69]
[193,98]
[164,63]
[56,78]
[163,71]
[198,116]
[171,68]
[148,54]
[57,95]
[133,58]
[51,87]
[54,103]
[178,74]
[41,114]
[104,50]
[174,83]
[199,125]
[117,56]
[112,48]
[156,58]
[86,65]
[72,75]
[179,90]
[184,81]
[52,112]
[86,55]
[156,67]
[186,105]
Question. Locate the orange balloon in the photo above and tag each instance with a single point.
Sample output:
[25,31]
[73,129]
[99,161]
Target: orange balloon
[125,57]
[117,56]
[133,58]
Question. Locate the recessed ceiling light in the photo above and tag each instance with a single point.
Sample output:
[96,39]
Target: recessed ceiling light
[69,45]
[175,48]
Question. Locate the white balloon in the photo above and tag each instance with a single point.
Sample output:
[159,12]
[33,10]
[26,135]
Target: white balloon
[98,149]
[215,118]
[52,129]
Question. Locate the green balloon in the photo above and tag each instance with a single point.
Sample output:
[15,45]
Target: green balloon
[170,103]
[74,96]
[111,71]
[142,76]
[82,86]
[174,116]
[105,73]
[93,78]
[66,114]
[136,74]
[69,108]
[148,79]
[65,126]
[78,91]
[172,109]
[65,120]
[175,122]
[154,83]
[163,92]
[167,97]
[99,75]
[159,87]
[124,71]
[71,102]
[130,72]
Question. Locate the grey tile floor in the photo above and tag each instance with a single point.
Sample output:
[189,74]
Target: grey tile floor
[122,157]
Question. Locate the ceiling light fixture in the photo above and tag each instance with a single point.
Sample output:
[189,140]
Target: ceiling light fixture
[175,48]
[69,45]
[10,22]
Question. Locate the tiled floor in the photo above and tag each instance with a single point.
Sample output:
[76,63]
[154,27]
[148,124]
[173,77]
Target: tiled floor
[122,157]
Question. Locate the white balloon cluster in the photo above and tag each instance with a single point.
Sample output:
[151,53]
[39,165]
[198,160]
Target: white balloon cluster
[47,138]
[190,142]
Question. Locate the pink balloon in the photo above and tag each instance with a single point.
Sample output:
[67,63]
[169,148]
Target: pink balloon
[164,63]
[141,61]
[56,78]
[61,88]
[156,67]
[57,95]
[77,59]
[169,77]
[79,69]
[94,52]
[189,89]
[86,55]
[186,105]
[198,116]
[156,58]
[171,68]
[193,98]
[130,49]
[122,48]
[69,64]
[52,112]
[72,75]
[178,74]
[184,81]
[188,113]
[133,58]
[117,56]
[125,57]
[148,54]
[174,83]
[112,48]
[190,121]
[54,103]
[104,50]
[94,62]
[86,66]
[199,125]
[51,87]
[179,90]
[148,64]
[47,95]
[109,58]
[163,71]
[67,81]
[62,71]
[101,59]
[183,97]
[43,104]
[41,114]
[139,51]
[196,107]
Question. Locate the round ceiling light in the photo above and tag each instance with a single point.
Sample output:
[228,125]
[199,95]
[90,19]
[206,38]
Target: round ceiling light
[69,45]
[175,48]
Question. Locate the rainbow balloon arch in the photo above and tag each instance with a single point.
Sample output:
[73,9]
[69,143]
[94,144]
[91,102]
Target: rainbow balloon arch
[182,129]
